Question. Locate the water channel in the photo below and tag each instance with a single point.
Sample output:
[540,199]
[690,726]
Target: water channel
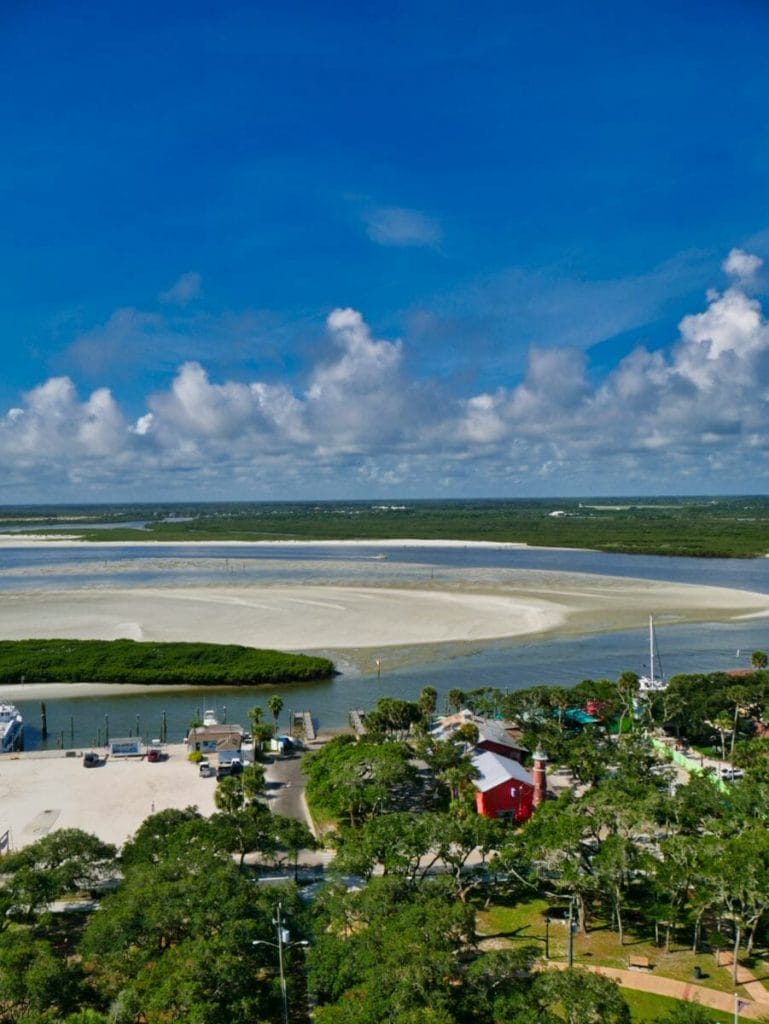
[512,663]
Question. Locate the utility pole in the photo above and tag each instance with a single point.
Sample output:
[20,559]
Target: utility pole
[284,994]
[571,932]
[281,945]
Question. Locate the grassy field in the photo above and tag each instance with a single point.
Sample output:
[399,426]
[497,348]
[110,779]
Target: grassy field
[701,527]
[500,926]
[645,1007]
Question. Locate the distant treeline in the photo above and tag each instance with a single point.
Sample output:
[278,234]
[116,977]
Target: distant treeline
[726,527]
[128,661]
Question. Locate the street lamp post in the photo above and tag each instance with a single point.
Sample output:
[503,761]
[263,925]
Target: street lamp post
[281,945]
[571,932]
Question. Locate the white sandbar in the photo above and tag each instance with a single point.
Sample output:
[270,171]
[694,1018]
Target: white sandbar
[309,617]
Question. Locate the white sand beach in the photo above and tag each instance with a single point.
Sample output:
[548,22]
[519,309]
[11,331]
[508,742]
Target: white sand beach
[62,540]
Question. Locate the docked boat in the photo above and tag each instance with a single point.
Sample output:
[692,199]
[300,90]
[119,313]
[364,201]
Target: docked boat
[209,717]
[653,683]
[11,728]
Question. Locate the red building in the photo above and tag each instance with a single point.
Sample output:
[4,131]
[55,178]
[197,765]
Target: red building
[504,789]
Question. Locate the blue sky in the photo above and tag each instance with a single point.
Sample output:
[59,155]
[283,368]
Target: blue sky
[298,250]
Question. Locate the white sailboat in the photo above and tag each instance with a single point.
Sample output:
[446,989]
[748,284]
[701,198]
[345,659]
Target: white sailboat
[652,683]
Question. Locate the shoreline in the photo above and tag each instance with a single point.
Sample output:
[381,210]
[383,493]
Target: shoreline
[11,540]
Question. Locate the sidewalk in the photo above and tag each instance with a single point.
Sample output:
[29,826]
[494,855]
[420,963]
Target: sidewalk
[647,982]
[754,988]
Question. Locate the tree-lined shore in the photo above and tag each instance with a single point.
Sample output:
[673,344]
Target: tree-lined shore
[703,527]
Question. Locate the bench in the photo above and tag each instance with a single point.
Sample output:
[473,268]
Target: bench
[639,963]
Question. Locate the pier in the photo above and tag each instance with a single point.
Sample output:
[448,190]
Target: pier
[304,721]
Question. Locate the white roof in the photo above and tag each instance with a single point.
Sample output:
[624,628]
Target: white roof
[495,769]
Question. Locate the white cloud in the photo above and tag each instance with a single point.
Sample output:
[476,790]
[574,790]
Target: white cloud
[143,425]
[183,290]
[122,341]
[397,226]
[695,412]
[55,436]
[741,264]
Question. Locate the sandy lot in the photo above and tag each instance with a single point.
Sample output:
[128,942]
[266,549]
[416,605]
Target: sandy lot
[40,793]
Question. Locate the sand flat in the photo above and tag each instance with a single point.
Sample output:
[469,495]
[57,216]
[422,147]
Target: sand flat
[307,617]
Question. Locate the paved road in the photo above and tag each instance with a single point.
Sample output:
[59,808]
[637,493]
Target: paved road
[285,786]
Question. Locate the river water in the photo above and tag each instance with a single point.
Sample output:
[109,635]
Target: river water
[508,664]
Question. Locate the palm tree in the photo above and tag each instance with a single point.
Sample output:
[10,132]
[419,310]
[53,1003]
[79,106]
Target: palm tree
[454,699]
[228,796]
[428,700]
[255,717]
[252,781]
[560,699]
[458,776]
[275,704]
[741,698]
[723,724]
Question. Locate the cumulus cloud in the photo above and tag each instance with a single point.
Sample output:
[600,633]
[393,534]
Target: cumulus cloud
[183,290]
[696,411]
[57,437]
[397,226]
[742,265]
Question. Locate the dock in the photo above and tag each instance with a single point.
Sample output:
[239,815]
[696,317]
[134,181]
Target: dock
[304,721]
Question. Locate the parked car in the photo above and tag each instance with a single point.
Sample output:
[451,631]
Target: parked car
[154,754]
[90,759]
[205,771]
[730,774]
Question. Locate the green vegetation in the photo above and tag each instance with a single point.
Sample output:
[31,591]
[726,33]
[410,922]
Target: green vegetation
[735,527]
[453,917]
[645,1006]
[128,661]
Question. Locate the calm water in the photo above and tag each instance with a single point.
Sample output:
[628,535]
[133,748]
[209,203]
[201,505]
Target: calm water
[510,664]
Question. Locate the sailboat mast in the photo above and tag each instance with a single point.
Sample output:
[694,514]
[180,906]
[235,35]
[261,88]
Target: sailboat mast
[651,649]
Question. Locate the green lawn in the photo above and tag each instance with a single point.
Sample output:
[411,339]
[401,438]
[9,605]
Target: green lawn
[500,926]
[647,1007]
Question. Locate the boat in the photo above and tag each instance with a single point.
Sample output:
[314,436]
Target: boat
[652,683]
[11,728]
[209,717]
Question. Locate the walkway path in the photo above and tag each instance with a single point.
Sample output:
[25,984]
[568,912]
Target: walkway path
[754,988]
[648,982]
